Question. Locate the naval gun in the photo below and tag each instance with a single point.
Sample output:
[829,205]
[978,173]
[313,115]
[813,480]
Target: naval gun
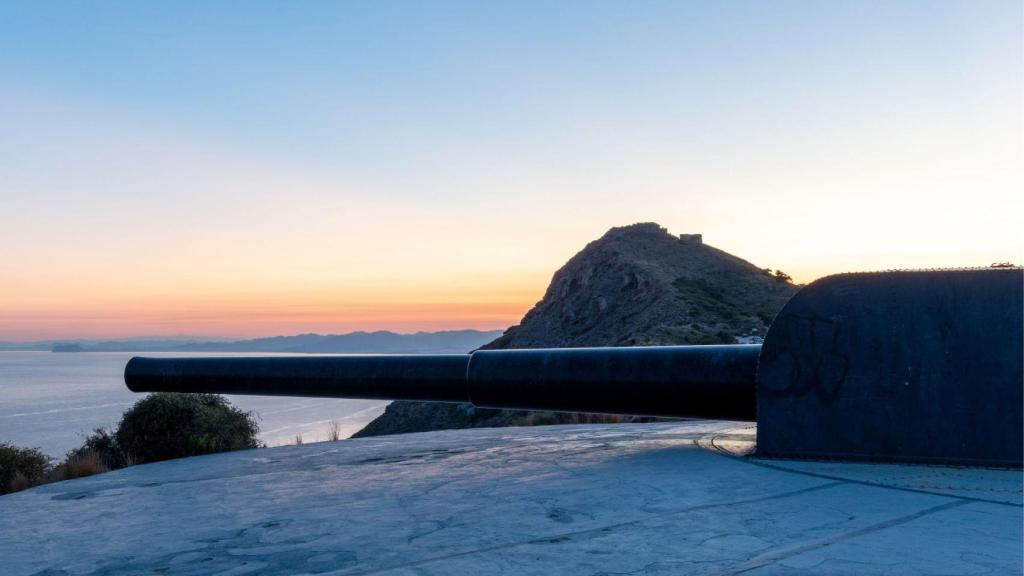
[905,366]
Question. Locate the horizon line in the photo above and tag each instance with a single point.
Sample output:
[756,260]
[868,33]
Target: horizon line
[209,338]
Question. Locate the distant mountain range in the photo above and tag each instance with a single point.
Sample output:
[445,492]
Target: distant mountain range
[380,342]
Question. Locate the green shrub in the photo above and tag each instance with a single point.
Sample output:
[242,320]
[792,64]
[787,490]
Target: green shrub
[167,425]
[100,444]
[783,277]
[159,427]
[21,468]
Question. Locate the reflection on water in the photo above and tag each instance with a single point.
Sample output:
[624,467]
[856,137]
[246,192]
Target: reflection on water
[52,400]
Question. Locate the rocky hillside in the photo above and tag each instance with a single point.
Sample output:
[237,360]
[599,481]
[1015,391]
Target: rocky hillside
[636,285]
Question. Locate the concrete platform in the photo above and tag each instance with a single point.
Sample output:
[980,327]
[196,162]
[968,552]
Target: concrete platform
[673,498]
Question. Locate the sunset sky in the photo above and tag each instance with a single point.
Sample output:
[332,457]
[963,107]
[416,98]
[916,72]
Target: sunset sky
[261,168]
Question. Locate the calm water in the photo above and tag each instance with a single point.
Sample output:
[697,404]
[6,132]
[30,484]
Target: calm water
[52,400]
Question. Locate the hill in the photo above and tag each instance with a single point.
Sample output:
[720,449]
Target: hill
[636,285]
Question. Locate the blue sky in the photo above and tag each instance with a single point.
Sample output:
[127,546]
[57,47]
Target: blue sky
[337,87]
[262,154]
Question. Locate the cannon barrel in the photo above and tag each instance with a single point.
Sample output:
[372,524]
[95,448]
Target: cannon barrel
[674,381]
[440,377]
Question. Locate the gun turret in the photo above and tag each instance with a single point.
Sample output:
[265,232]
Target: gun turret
[921,366]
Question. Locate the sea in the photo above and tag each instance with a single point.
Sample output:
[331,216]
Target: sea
[53,400]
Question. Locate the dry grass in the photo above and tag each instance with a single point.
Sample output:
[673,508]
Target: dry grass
[541,419]
[334,431]
[549,418]
[85,463]
[128,459]
[603,419]
[20,482]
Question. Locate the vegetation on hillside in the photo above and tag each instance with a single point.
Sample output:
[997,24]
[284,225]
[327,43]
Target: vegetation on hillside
[21,468]
[158,427]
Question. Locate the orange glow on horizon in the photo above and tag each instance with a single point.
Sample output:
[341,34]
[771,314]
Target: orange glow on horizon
[252,307]
[258,315]
[267,321]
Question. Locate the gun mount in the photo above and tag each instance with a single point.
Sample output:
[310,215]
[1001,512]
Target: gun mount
[919,366]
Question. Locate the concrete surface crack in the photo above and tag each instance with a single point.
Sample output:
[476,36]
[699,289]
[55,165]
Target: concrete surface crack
[777,555]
